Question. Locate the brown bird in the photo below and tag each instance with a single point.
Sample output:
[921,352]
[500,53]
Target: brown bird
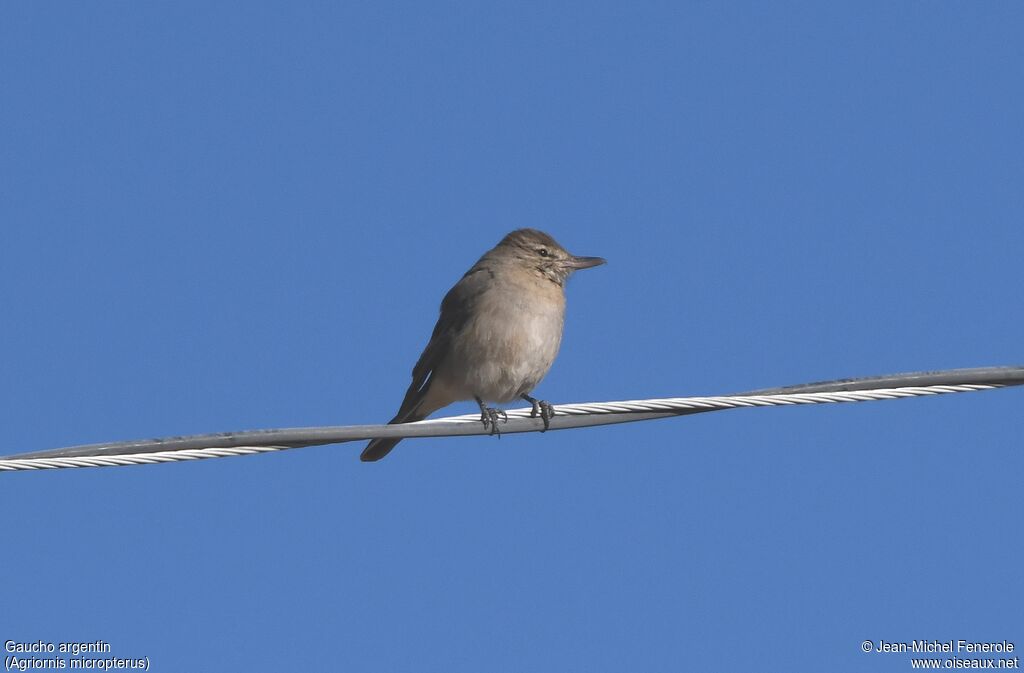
[498,333]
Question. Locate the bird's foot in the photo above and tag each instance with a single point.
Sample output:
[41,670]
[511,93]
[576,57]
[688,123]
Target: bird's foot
[489,417]
[542,409]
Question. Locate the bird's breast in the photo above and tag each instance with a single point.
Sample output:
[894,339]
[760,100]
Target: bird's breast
[509,344]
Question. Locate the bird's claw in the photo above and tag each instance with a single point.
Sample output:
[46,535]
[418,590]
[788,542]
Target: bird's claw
[489,417]
[544,410]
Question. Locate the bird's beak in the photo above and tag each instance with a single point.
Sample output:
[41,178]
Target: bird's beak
[583,262]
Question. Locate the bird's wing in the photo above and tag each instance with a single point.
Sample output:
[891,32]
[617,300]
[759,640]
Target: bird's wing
[456,308]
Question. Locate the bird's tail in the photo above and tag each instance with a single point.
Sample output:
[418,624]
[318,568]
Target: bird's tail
[378,448]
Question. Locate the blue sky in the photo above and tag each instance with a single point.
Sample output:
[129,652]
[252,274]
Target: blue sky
[220,217]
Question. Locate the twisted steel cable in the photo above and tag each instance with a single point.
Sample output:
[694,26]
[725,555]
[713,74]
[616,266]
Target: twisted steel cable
[196,447]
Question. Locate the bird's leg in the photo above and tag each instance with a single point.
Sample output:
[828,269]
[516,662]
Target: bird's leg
[489,417]
[540,408]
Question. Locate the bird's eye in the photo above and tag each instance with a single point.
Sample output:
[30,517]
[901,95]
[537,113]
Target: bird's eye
[543,252]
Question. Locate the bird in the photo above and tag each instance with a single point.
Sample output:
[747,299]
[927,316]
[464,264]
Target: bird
[497,335]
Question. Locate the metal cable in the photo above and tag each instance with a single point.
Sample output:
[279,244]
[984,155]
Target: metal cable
[174,449]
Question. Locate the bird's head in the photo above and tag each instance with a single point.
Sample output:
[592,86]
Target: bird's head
[536,250]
